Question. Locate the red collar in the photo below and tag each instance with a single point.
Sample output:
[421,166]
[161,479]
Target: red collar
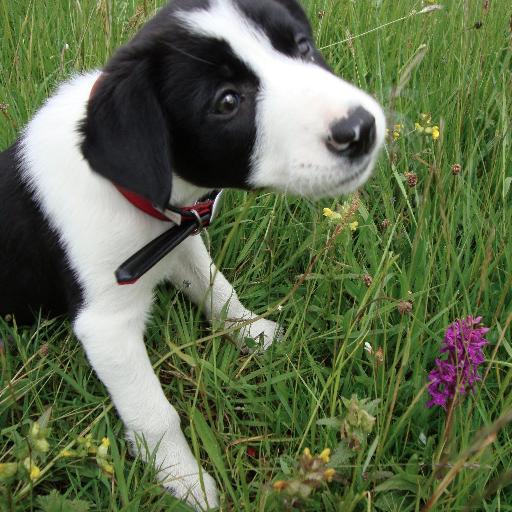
[172,213]
[192,220]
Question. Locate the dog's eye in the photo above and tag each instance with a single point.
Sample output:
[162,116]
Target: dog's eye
[228,103]
[304,46]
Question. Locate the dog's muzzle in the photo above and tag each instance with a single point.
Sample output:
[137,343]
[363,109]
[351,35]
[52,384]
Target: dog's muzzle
[353,136]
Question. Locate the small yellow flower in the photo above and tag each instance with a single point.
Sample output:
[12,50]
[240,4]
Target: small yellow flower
[418,127]
[102,450]
[279,485]
[35,472]
[307,453]
[397,130]
[330,214]
[353,225]
[325,455]
[329,474]
[435,132]
[67,453]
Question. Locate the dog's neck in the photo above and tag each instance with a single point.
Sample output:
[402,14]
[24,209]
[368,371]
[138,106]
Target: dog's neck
[184,193]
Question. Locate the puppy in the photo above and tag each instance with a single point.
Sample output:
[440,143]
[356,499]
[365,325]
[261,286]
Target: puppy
[210,94]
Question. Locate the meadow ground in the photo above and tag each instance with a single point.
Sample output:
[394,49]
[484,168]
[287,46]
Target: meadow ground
[364,309]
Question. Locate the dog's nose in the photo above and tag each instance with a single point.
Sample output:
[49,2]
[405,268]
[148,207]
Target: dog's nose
[354,135]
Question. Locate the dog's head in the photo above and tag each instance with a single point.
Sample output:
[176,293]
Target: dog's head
[229,93]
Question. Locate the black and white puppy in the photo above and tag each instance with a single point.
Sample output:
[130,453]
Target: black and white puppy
[209,94]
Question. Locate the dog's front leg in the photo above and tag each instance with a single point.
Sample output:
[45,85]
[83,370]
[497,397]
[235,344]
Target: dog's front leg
[196,274]
[113,341]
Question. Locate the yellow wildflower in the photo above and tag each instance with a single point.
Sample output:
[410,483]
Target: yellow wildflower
[307,453]
[353,225]
[329,474]
[397,130]
[330,214]
[67,453]
[325,455]
[425,126]
[102,450]
[35,472]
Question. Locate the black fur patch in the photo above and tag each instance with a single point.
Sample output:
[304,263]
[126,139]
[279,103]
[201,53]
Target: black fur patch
[285,23]
[34,274]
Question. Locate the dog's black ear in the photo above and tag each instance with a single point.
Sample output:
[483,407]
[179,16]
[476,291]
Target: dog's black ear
[126,137]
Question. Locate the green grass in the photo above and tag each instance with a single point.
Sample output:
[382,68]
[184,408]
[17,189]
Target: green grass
[448,249]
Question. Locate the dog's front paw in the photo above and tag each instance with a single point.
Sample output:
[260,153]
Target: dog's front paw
[262,332]
[184,482]
[177,468]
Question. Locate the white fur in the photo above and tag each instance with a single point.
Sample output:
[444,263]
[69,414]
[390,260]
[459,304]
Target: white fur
[297,104]
[99,229]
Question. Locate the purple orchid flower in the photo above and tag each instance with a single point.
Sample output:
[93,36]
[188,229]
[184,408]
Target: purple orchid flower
[463,342]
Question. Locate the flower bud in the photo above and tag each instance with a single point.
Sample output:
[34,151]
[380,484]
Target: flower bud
[325,455]
[8,470]
[329,474]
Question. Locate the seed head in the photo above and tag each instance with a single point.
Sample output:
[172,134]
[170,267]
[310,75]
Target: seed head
[368,280]
[412,179]
[456,168]
[405,307]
